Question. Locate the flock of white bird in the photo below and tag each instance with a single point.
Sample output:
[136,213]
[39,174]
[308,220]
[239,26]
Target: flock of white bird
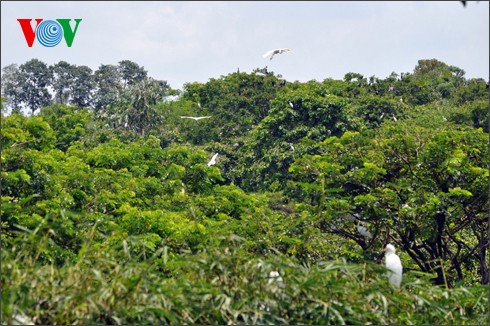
[270,54]
[392,261]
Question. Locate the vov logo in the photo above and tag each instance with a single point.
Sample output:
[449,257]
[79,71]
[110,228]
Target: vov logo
[49,32]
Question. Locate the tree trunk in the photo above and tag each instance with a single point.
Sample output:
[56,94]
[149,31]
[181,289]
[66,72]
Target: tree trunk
[439,280]
[484,266]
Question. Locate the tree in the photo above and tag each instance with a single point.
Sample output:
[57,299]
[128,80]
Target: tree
[131,73]
[423,189]
[237,102]
[36,77]
[375,109]
[68,123]
[108,85]
[12,89]
[81,86]
[356,84]
[473,90]
[62,79]
[441,78]
[480,115]
[136,108]
[298,119]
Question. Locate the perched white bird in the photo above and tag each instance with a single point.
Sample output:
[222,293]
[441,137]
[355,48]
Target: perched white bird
[394,266]
[275,282]
[195,118]
[361,228]
[272,53]
[275,277]
[291,104]
[213,160]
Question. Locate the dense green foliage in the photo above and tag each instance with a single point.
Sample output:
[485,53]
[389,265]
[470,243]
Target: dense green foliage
[111,213]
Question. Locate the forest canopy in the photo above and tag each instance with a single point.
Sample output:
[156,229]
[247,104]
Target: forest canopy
[113,214]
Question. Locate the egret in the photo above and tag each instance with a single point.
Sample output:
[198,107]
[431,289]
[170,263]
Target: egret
[361,228]
[195,118]
[272,53]
[275,282]
[291,104]
[275,277]
[213,160]
[394,265]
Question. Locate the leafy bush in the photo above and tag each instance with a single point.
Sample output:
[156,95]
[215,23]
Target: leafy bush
[222,285]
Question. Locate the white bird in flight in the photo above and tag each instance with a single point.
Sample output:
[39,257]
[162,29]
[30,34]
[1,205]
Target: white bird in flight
[271,53]
[195,118]
[213,160]
[394,266]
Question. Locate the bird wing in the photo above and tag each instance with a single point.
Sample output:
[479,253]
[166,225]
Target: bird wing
[364,232]
[213,160]
[271,53]
[195,118]
[398,269]
[268,53]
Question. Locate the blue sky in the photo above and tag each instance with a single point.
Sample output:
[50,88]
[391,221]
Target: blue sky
[193,41]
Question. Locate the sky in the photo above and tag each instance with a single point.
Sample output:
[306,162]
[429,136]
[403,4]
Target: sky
[188,41]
